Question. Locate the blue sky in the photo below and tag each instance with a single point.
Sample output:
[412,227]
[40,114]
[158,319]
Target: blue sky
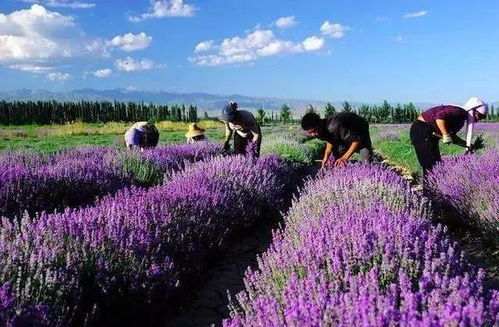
[361,50]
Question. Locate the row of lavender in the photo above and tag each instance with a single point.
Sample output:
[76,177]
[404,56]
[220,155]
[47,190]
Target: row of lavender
[134,253]
[359,250]
[33,183]
[469,185]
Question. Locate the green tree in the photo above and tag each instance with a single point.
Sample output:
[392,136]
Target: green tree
[329,110]
[347,107]
[286,116]
[311,110]
[206,117]
[260,116]
[384,112]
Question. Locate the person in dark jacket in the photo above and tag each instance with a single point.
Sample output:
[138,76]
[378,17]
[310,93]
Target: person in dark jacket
[443,122]
[242,124]
[345,133]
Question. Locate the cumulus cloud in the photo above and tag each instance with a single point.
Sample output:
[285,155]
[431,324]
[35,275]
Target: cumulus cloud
[205,46]
[59,77]
[416,14]
[131,42]
[285,22]
[63,4]
[255,45]
[334,30]
[37,35]
[129,64]
[102,73]
[166,8]
[313,43]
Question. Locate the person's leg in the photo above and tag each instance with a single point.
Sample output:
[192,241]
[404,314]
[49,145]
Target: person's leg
[425,145]
[240,144]
[366,155]
[258,147]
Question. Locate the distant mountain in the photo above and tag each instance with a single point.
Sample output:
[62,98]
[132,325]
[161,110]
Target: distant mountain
[204,101]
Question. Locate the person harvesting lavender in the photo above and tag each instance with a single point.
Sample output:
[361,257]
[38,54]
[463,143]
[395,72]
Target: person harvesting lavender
[142,135]
[443,122]
[345,133]
[243,125]
[195,134]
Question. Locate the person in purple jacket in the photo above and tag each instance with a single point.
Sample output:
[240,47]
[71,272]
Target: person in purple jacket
[443,122]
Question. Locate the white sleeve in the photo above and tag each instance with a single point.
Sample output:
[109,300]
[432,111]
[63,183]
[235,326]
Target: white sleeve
[469,129]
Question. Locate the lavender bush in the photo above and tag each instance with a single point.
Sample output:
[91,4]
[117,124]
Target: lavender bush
[138,249]
[33,183]
[358,250]
[470,185]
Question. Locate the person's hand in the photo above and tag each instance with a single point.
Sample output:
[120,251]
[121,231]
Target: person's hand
[447,139]
[226,146]
[340,162]
[324,163]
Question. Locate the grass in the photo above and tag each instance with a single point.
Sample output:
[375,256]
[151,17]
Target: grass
[52,138]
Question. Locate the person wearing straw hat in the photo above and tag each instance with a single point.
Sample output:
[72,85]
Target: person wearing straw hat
[442,123]
[243,125]
[195,134]
[142,135]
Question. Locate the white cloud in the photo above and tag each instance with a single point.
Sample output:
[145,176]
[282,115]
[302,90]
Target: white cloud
[417,14]
[255,45]
[398,38]
[205,46]
[313,43]
[59,77]
[102,73]
[131,42]
[285,22]
[334,30]
[35,35]
[166,8]
[131,65]
[63,4]
[31,68]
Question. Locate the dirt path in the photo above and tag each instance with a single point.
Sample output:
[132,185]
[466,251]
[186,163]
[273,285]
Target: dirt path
[209,305]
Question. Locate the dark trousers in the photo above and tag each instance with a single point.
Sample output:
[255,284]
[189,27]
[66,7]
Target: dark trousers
[241,144]
[365,151]
[425,144]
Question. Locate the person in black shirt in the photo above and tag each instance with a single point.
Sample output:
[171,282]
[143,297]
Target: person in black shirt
[345,134]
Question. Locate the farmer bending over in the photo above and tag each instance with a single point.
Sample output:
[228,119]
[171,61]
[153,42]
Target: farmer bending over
[345,134]
[247,131]
[443,122]
[142,135]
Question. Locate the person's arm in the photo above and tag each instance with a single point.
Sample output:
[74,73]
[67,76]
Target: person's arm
[351,150]
[446,138]
[228,135]
[327,154]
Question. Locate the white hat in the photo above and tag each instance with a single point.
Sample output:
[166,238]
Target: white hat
[477,104]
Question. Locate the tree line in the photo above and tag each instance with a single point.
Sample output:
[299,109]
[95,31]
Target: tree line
[54,112]
[375,114]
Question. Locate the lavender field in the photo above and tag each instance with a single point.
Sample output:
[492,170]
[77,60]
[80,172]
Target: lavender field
[98,236]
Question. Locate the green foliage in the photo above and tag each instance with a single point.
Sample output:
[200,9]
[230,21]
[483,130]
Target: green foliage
[347,107]
[329,110]
[260,116]
[144,172]
[311,110]
[53,112]
[286,115]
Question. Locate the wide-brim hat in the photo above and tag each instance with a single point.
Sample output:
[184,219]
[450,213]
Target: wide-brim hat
[194,130]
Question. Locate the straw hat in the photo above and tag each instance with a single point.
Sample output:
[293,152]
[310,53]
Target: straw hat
[194,130]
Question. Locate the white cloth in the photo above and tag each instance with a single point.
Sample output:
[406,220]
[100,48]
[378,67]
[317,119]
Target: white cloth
[478,105]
